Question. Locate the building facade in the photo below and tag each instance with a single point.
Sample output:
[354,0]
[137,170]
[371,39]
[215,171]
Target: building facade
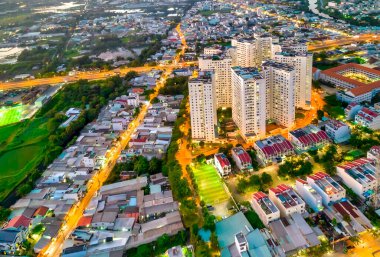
[221,66]
[203,107]
[249,102]
[280,92]
[303,64]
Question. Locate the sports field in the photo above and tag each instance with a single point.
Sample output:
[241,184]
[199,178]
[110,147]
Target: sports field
[9,115]
[209,183]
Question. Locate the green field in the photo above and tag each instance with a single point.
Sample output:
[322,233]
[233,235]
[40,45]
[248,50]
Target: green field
[9,115]
[209,183]
[21,147]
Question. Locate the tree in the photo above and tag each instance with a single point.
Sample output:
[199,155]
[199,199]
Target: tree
[266,179]
[4,213]
[141,165]
[320,114]
[24,189]
[202,144]
[155,166]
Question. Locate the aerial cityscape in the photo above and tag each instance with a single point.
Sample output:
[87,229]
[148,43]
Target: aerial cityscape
[190,128]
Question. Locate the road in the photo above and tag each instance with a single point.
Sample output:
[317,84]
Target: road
[343,41]
[72,217]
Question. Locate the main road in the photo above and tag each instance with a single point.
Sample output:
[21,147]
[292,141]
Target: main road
[54,248]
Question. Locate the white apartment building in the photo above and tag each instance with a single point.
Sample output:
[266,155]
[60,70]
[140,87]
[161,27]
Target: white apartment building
[360,176]
[265,208]
[280,92]
[249,102]
[327,187]
[203,107]
[303,64]
[221,65]
[264,47]
[212,51]
[311,197]
[287,200]
[251,52]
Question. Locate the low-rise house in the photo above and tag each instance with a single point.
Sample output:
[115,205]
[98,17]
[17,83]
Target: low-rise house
[352,219]
[327,187]
[222,164]
[359,175]
[265,208]
[374,153]
[11,239]
[309,195]
[309,137]
[293,233]
[351,110]
[286,200]
[273,149]
[369,118]
[337,130]
[242,159]
[236,238]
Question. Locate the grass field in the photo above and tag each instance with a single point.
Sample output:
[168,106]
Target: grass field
[9,115]
[21,145]
[209,183]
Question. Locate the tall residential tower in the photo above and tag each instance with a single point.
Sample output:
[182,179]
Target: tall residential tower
[203,107]
[248,102]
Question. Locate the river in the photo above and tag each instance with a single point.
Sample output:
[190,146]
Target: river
[313,6]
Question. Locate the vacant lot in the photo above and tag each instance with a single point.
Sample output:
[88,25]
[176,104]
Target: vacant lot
[209,183]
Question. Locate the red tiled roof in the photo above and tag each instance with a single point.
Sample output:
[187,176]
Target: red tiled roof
[301,181]
[280,188]
[360,88]
[84,221]
[356,163]
[19,221]
[318,176]
[259,195]
[222,159]
[41,211]
[347,206]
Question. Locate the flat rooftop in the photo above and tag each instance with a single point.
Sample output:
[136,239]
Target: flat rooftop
[326,183]
[265,203]
[362,170]
[247,73]
[287,196]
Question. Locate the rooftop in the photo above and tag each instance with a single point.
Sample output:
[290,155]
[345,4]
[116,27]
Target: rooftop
[265,203]
[287,196]
[247,73]
[362,170]
[222,159]
[275,145]
[326,183]
[278,65]
[360,86]
[242,154]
